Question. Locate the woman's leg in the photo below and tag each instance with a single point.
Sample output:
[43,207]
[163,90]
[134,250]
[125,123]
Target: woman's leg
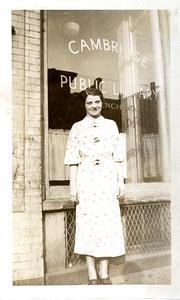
[104,271]
[103,268]
[90,260]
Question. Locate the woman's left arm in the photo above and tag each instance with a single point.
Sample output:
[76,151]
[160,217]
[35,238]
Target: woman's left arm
[120,180]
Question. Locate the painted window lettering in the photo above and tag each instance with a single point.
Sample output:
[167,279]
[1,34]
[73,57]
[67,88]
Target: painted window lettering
[76,47]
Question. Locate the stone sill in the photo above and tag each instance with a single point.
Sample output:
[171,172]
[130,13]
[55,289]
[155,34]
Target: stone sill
[134,194]
[147,192]
[58,204]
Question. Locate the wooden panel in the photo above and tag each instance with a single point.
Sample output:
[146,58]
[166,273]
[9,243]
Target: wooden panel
[54,241]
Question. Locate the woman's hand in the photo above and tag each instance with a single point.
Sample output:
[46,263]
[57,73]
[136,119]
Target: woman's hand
[74,198]
[120,189]
[120,181]
[73,184]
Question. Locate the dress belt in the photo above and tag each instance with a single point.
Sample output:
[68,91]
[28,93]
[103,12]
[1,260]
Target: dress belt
[96,160]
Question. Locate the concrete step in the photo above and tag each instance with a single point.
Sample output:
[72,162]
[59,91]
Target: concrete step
[151,269]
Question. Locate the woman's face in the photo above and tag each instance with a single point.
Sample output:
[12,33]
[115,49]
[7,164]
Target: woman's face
[93,105]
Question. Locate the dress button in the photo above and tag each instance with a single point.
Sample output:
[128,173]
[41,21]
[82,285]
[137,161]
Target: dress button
[96,139]
[97,161]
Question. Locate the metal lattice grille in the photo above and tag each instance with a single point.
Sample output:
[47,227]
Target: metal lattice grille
[70,227]
[146,226]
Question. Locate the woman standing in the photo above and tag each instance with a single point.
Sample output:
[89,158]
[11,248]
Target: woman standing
[94,155]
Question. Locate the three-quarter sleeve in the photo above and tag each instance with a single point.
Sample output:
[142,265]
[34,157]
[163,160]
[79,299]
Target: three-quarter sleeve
[72,149]
[118,153]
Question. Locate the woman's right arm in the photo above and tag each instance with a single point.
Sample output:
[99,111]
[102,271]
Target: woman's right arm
[73,183]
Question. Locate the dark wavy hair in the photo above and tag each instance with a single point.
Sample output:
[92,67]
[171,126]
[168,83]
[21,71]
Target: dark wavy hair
[94,92]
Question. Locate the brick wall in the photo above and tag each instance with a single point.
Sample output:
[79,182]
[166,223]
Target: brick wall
[27,191]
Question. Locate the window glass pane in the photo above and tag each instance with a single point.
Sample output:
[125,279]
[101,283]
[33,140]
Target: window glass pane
[112,50]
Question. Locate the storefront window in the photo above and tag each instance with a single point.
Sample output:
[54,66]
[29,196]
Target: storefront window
[112,50]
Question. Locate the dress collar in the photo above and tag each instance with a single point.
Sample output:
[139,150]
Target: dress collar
[93,122]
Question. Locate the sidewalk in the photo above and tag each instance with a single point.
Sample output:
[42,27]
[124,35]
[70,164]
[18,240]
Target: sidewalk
[159,276]
[139,270]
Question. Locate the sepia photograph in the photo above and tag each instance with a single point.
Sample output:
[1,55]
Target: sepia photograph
[91,147]
[89,126]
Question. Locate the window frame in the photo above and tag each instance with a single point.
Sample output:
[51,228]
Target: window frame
[45,129]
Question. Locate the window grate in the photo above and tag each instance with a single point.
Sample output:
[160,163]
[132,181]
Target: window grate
[147,228]
[70,227]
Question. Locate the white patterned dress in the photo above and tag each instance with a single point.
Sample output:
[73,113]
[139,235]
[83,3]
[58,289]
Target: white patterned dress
[95,146]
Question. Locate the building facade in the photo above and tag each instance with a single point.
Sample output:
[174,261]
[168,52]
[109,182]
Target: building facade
[55,57]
